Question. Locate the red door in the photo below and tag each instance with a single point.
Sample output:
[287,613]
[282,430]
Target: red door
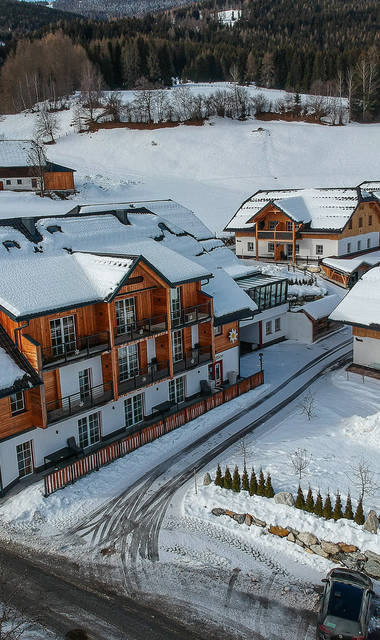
[1,185]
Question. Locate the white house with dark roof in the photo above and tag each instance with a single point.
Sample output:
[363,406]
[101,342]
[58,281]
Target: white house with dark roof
[306,223]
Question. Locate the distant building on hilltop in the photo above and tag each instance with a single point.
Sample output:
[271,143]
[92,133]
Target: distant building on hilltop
[307,223]
[21,170]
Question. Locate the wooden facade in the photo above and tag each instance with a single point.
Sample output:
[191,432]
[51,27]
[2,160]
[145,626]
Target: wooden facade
[59,181]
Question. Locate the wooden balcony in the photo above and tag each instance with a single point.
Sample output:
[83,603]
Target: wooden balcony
[77,403]
[272,235]
[142,377]
[191,315]
[141,329]
[193,358]
[82,347]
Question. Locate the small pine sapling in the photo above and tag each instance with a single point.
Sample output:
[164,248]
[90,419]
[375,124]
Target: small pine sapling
[219,478]
[318,507]
[227,480]
[261,484]
[327,508]
[236,482]
[253,483]
[359,513]
[269,493]
[348,512]
[300,500]
[245,480]
[309,504]
[337,513]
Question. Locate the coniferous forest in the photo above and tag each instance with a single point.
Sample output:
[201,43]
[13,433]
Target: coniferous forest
[327,47]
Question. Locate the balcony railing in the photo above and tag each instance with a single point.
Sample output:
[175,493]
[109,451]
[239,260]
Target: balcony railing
[78,402]
[141,329]
[271,235]
[191,315]
[193,358]
[79,348]
[145,376]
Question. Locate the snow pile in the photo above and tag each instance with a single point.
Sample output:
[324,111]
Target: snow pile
[9,371]
[364,428]
[361,305]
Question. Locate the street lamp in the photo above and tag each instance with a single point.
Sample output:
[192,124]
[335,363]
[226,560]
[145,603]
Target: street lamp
[261,361]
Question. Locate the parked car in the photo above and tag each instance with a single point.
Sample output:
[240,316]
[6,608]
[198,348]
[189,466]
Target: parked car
[345,607]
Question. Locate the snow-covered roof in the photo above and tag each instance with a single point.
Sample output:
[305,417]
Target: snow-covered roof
[321,308]
[9,371]
[83,257]
[318,208]
[361,305]
[348,265]
[16,153]
[371,186]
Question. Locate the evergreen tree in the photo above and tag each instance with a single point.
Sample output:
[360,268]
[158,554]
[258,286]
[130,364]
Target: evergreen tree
[219,477]
[253,483]
[327,508]
[261,484]
[245,480]
[227,480]
[300,500]
[318,507]
[269,493]
[337,513]
[236,482]
[348,512]
[309,504]
[359,513]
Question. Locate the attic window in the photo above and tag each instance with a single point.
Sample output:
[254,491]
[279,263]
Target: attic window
[54,228]
[10,244]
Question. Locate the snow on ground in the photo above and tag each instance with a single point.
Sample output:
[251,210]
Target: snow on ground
[211,169]
[368,427]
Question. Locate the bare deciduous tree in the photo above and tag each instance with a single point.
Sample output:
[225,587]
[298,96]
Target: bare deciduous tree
[307,406]
[46,124]
[364,479]
[242,450]
[37,160]
[300,460]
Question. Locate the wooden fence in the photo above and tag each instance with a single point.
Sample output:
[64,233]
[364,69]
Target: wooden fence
[68,474]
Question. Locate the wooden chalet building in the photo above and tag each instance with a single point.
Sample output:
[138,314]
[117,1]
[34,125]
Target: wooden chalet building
[360,308]
[118,316]
[309,224]
[18,171]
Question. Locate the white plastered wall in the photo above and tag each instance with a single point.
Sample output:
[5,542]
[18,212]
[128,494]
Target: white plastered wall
[300,327]
[373,237]
[367,351]
[230,359]
[69,375]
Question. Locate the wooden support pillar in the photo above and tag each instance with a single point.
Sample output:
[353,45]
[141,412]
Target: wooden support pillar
[257,242]
[114,354]
[294,242]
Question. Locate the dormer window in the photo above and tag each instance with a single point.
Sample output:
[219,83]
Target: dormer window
[11,244]
[54,228]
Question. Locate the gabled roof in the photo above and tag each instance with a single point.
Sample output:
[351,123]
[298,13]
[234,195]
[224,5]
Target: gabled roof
[361,305]
[16,153]
[320,308]
[318,209]
[16,373]
[348,265]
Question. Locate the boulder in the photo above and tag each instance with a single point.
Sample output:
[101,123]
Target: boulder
[371,555]
[317,549]
[278,531]
[218,511]
[284,497]
[248,519]
[239,518]
[307,538]
[295,532]
[229,513]
[372,567]
[372,522]
[309,550]
[330,547]
[258,523]
[291,537]
[207,479]
[347,548]
[353,560]
[300,544]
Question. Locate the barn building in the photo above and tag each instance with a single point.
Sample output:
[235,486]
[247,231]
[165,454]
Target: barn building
[19,170]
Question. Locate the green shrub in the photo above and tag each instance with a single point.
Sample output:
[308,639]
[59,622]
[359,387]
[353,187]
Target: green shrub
[309,503]
[337,513]
[300,500]
[236,482]
[359,513]
[269,493]
[318,506]
[227,480]
[261,484]
[219,477]
[348,512]
[245,480]
[327,508]
[253,483]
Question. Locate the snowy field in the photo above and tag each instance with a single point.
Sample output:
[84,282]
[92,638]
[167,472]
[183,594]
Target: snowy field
[211,169]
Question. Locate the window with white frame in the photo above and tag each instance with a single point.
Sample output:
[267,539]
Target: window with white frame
[359,245]
[89,430]
[84,384]
[177,345]
[289,225]
[125,315]
[133,410]
[268,328]
[251,246]
[348,247]
[19,181]
[177,390]
[272,225]
[17,402]
[8,182]
[175,303]
[128,362]
[24,458]
[218,330]
[277,324]
[368,243]
[63,338]
[319,249]
[270,247]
